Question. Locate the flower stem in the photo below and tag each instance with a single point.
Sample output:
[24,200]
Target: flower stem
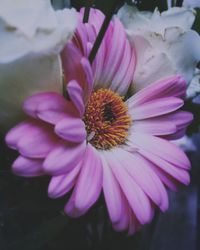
[179,3]
[87,10]
[103,30]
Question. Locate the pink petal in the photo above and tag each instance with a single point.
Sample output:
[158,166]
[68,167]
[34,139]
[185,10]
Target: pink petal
[98,65]
[112,193]
[72,130]
[174,86]
[89,184]
[88,86]
[137,199]
[115,52]
[154,127]
[156,108]
[81,35]
[27,167]
[76,67]
[90,31]
[133,224]
[123,223]
[126,77]
[60,185]
[164,125]
[161,148]
[32,138]
[179,174]
[179,134]
[96,17]
[32,102]
[54,112]
[75,92]
[37,140]
[71,58]
[167,179]
[14,134]
[138,168]
[49,107]
[63,158]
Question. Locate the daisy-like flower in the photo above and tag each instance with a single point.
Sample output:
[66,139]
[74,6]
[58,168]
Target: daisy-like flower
[100,138]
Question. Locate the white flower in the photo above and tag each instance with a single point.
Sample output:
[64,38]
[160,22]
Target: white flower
[191,3]
[194,87]
[32,36]
[165,44]
[186,143]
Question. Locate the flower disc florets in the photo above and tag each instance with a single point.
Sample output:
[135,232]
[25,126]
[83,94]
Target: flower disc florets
[106,119]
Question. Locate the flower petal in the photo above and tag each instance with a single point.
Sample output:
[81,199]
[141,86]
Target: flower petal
[177,173]
[112,193]
[32,139]
[137,199]
[27,167]
[72,130]
[174,86]
[77,67]
[13,136]
[124,221]
[37,142]
[50,107]
[89,184]
[75,92]
[61,184]
[63,158]
[162,149]
[154,127]
[144,177]
[156,108]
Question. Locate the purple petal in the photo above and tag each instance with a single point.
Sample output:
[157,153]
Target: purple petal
[156,108]
[89,184]
[161,148]
[154,127]
[37,141]
[124,220]
[171,87]
[112,193]
[137,199]
[27,167]
[75,92]
[60,185]
[179,174]
[49,107]
[63,158]
[32,138]
[72,130]
[15,134]
[148,181]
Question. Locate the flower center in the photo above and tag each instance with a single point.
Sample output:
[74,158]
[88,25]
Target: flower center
[106,119]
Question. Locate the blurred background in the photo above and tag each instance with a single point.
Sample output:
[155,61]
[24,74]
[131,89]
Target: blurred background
[29,220]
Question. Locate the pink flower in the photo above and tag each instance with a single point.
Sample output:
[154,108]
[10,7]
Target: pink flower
[101,138]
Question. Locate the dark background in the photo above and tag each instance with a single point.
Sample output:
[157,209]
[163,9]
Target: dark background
[29,220]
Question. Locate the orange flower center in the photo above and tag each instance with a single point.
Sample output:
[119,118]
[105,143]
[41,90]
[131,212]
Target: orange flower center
[106,119]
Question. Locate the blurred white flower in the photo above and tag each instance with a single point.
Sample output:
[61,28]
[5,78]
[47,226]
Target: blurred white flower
[194,87]
[186,143]
[165,44]
[32,35]
[191,3]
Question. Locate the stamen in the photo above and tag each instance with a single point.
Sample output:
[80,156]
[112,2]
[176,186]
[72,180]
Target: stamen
[106,119]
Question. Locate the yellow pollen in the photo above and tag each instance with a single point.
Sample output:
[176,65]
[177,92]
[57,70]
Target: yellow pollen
[106,119]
